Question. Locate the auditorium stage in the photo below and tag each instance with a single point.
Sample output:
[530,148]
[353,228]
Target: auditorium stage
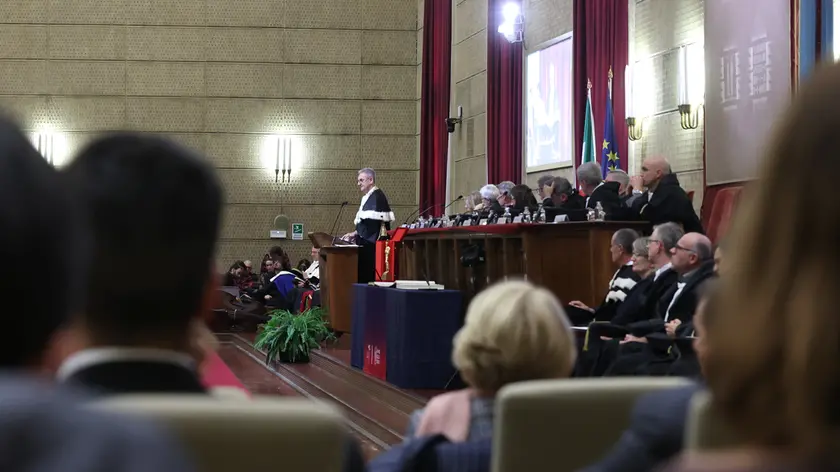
[377,412]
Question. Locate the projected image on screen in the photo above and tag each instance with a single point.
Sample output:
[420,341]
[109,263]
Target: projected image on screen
[549,102]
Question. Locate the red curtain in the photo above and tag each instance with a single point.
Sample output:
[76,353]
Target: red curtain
[504,101]
[434,103]
[600,42]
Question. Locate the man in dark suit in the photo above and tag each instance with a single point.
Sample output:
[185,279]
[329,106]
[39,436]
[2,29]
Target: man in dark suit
[657,424]
[664,200]
[47,429]
[155,206]
[598,191]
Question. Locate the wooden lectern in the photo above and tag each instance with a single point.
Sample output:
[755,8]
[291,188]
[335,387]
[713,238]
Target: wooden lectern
[338,270]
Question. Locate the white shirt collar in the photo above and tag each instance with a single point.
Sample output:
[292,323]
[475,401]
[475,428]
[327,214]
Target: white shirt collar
[101,355]
[660,270]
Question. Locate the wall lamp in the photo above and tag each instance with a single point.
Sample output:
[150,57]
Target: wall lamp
[692,85]
[513,26]
[634,120]
[283,159]
[51,146]
[451,122]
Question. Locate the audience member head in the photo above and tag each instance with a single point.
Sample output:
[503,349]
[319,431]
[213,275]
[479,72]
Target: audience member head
[562,190]
[237,269]
[653,169]
[504,192]
[543,183]
[621,246]
[701,316]
[692,251]
[280,258]
[513,331]
[489,194]
[149,203]
[774,354]
[38,223]
[622,178]
[472,201]
[522,197]
[664,238]
[589,177]
[641,263]
[366,179]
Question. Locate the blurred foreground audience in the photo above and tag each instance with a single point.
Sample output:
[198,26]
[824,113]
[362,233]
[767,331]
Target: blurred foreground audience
[44,429]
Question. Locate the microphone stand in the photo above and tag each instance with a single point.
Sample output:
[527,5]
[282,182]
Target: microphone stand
[335,223]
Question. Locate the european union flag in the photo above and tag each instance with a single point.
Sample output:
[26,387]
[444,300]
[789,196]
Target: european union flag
[610,159]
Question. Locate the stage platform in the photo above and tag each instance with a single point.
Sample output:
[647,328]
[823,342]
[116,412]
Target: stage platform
[377,412]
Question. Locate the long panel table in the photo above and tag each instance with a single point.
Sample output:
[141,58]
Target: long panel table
[571,259]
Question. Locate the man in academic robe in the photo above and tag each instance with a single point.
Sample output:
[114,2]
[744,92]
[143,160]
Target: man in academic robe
[374,213]
[312,274]
[597,190]
[664,200]
[624,279]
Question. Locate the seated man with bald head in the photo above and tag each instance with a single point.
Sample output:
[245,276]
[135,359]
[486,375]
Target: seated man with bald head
[663,200]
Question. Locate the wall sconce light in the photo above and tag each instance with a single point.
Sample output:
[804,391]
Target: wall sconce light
[634,123]
[451,122]
[51,146]
[283,159]
[513,27]
[692,85]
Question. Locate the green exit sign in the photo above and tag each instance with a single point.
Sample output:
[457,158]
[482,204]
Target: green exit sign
[297,231]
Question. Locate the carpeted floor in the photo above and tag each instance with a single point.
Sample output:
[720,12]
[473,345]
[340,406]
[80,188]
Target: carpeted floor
[215,373]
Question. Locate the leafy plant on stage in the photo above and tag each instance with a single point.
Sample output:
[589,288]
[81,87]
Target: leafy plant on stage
[291,337]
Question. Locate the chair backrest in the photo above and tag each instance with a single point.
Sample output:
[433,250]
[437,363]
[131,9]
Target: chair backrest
[705,430]
[565,425]
[691,196]
[263,434]
[722,209]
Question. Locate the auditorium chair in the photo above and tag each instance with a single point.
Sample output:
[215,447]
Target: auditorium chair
[262,434]
[564,425]
[705,430]
[723,207]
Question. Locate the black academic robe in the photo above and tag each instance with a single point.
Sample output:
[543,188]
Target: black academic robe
[607,195]
[637,315]
[669,203]
[623,281]
[373,212]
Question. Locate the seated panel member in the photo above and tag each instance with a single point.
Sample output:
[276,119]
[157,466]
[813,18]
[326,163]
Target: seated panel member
[564,195]
[545,188]
[664,200]
[623,281]
[597,190]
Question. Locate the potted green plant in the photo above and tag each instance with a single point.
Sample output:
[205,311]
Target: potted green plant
[287,337]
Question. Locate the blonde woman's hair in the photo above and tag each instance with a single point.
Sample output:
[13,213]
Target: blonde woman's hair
[774,351]
[514,331]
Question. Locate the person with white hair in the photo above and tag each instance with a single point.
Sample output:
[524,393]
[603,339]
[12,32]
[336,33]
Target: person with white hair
[596,190]
[490,199]
[504,192]
[374,214]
